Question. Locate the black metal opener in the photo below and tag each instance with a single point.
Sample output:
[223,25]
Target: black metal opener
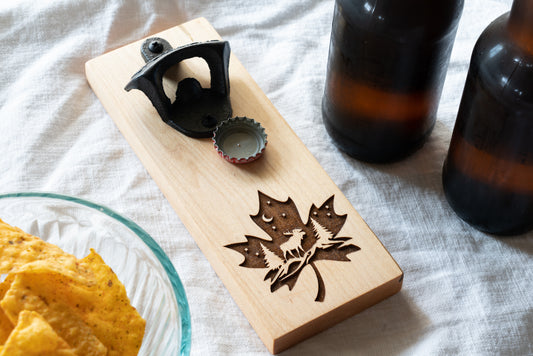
[196,111]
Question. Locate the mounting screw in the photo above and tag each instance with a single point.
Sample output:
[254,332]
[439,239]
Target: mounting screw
[155,47]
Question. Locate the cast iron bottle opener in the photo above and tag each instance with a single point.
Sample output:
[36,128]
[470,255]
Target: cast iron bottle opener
[197,111]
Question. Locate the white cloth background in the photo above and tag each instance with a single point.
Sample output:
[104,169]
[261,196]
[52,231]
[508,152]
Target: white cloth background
[464,292]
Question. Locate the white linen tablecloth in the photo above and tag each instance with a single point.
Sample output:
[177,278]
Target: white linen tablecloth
[465,292]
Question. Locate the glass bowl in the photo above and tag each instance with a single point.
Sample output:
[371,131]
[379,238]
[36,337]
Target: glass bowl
[152,284]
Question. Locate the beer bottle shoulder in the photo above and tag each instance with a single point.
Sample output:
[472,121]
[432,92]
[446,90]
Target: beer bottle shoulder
[503,67]
[405,20]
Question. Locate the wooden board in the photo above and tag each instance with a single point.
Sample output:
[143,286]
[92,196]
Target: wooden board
[238,214]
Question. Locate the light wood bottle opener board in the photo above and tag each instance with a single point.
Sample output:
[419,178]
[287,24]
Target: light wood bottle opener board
[290,248]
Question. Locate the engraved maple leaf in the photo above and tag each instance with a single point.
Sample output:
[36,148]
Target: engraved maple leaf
[294,245]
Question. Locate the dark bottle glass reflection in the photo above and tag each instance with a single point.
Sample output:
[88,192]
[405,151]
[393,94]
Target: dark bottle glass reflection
[386,68]
[488,173]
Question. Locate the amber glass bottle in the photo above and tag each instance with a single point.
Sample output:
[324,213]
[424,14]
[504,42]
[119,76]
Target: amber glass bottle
[386,68]
[488,173]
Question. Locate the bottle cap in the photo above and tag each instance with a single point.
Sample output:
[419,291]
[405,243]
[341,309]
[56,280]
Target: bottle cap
[240,140]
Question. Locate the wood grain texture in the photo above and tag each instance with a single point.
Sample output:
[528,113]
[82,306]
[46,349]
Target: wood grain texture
[215,199]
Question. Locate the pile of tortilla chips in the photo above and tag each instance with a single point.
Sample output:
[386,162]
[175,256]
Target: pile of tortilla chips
[52,303]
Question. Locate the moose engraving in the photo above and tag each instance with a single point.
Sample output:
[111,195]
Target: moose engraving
[293,246]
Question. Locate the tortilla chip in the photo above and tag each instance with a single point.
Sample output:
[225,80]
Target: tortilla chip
[33,336]
[119,325]
[83,300]
[5,285]
[23,296]
[101,303]
[21,249]
[6,326]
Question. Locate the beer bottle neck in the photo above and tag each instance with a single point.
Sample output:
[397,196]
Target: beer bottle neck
[521,24]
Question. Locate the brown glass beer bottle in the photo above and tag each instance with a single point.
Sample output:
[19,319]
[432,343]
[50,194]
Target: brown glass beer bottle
[488,173]
[386,68]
